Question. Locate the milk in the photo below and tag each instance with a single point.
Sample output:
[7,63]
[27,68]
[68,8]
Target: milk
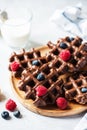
[16,32]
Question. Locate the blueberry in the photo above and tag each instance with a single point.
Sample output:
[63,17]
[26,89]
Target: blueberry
[40,77]
[16,113]
[69,39]
[36,62]
[5,115]
[63,45]
[84,90]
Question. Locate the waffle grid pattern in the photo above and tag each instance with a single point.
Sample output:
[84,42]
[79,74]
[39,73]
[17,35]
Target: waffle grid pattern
[73,87]
[51,66]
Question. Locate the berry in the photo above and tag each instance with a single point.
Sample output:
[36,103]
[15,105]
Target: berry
[63,45]
[65,55]
[36,62]
[70,39]
[14,66]
[40,77]
[16,113]
[41,90]
[62,103]
[84,90]
[5,115]
[10,105]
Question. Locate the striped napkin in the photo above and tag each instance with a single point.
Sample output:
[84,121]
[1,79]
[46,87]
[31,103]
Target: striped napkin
[71,19]
[82,125]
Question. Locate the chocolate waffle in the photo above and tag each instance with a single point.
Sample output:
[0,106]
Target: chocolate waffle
[50,67]
[76,87]
[25,59]
[77,60]
[30,81]
[78,52]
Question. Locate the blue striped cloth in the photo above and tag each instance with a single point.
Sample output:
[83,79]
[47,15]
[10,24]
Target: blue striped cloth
[71,19]
[82,125]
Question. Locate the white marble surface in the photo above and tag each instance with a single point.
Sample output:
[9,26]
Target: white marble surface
[42,31]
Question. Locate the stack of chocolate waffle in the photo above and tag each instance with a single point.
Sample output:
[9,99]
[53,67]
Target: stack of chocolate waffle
[37,70]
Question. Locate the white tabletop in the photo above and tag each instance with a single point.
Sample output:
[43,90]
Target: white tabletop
[42,32]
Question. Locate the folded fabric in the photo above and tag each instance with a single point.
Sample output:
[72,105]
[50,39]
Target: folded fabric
[82,125]
[72,19]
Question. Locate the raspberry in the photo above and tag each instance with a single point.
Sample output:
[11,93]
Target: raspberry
[10,105]
[62,103]
[65,55]
[41,90]
[14,66]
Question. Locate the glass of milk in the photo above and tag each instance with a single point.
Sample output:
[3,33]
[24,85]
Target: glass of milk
[17,27]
